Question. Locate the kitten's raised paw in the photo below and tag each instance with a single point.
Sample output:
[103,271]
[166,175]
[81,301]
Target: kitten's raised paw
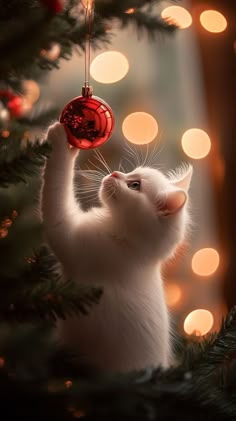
[57,137]
[56,133]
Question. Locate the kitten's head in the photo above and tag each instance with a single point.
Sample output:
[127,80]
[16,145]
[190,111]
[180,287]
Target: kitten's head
[148,203]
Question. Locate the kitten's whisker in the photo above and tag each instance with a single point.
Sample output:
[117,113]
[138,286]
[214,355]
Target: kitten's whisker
[133,153]
[92,178]
[146,156]
[90,175]
[128,160]
[98,168]
[89,196]
[90,171]
[153,154]
[150,157]
[87,190]
[121,167]
[138,156]
[157,150]
[89,200]
[101,159]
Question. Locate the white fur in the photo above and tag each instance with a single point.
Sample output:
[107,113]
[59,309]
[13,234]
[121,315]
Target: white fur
[119,246]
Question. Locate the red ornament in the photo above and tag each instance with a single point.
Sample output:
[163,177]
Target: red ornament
[14,103]
[15,107]
[88,121]
[54,6]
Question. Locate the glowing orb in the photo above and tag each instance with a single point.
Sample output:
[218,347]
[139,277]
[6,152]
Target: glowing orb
[213,21]
[109,67]
[140,128]
[177,15]
[196,143]
[173,294]
[205,261]
[198,322]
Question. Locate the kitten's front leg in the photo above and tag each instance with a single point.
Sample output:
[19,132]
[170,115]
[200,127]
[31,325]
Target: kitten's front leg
[57,137]
[59,207]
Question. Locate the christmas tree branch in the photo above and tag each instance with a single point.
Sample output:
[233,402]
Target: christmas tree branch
[22,162]
[142,396]
[24,37]
[40,293]
[214,351]
[152,394]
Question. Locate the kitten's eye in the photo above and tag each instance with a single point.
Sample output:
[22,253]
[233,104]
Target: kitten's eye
[134,185]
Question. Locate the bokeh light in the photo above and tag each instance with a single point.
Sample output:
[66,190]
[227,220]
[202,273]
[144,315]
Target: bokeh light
[177,15]
[173,294]
[109,67]
[68,384]
[140,128]
[198,322]
[52,53]
[5,134]
[213,21]
[196,143]
[31,90]
[205,261]
[130,11]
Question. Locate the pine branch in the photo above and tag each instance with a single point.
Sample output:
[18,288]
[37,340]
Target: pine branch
[152,394]
[216,350]
[144,21]
[24,164]
[40,293]
[24,36]
[114,397]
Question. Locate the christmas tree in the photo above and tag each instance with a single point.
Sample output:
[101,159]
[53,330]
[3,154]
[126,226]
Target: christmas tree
[39,379]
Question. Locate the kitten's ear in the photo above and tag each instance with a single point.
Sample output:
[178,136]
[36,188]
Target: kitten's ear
[172,203]
[184,181]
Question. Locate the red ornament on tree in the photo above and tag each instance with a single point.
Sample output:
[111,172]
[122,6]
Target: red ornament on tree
[14,103]
[54,6]
[15,107]
[88,121]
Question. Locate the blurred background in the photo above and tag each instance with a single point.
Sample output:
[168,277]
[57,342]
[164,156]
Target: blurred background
[173,100]
[174,97]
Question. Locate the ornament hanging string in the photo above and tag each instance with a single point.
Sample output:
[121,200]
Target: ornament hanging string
[89,14]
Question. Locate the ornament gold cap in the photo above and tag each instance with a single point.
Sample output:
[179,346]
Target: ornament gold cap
[87,91]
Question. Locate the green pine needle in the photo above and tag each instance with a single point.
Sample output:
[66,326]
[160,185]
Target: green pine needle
[40,293]
[24,164]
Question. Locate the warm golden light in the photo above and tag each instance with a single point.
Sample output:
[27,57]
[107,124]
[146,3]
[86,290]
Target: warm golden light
[198,322]
[177,15]
[213,21]
[52,53]
[31,90]
[3,232]
[5,134]
[68,384]
[205,261]
[130,11]
[173,294]
[109,67]
[196,143]
[140,128]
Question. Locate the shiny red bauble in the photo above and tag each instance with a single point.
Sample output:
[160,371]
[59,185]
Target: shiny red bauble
[15,107]
[88,122]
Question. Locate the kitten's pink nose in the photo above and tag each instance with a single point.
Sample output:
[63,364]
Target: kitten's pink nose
[115,174]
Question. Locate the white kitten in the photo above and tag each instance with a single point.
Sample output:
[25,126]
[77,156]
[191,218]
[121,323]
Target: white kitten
[119,246]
